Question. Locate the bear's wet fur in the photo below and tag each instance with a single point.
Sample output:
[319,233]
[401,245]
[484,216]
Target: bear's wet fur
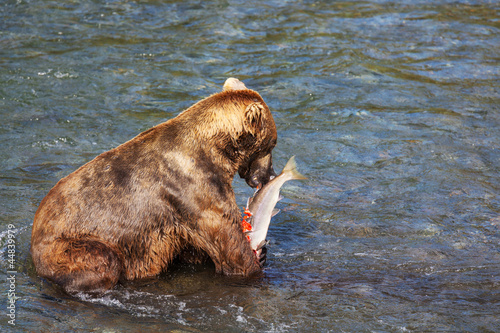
[165,194]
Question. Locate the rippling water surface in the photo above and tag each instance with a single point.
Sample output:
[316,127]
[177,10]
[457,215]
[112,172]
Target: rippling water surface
[392,109]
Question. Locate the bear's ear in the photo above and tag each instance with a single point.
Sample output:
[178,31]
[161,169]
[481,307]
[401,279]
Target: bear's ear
[253,117]
[233,84]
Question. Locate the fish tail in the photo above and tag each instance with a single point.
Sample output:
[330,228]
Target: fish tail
[291,168]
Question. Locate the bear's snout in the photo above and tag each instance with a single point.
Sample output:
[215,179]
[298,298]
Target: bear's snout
[259,172]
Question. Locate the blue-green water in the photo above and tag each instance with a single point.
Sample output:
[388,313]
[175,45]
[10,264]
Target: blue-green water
[392,109]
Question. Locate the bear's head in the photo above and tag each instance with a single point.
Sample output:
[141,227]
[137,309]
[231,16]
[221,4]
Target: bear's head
[257,140]
[258,135]
[237,131]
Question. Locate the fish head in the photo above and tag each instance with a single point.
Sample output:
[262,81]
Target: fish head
[259,170]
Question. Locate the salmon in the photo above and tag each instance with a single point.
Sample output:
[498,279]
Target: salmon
[260,207]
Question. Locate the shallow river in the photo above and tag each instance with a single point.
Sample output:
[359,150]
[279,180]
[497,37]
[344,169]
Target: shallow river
[392,109]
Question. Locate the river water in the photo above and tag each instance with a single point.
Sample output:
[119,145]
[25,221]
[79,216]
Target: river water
[392,109]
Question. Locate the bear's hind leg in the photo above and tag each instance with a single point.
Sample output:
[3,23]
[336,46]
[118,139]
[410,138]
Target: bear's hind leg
[83,266]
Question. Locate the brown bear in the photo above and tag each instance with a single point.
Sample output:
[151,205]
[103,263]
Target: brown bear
[165,194]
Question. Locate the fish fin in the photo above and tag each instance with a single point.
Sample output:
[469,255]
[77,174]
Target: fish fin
[291,167]
[275,211]
[249,201]
[262,244]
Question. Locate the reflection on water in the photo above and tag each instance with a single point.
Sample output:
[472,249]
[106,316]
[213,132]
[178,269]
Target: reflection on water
[391,109]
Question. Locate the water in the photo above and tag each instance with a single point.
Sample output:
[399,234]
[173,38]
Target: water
[392,109]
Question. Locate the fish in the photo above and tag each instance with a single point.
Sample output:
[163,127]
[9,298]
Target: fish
[260,207]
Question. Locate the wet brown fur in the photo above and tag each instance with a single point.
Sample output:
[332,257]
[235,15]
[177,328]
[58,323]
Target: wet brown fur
[132,210]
